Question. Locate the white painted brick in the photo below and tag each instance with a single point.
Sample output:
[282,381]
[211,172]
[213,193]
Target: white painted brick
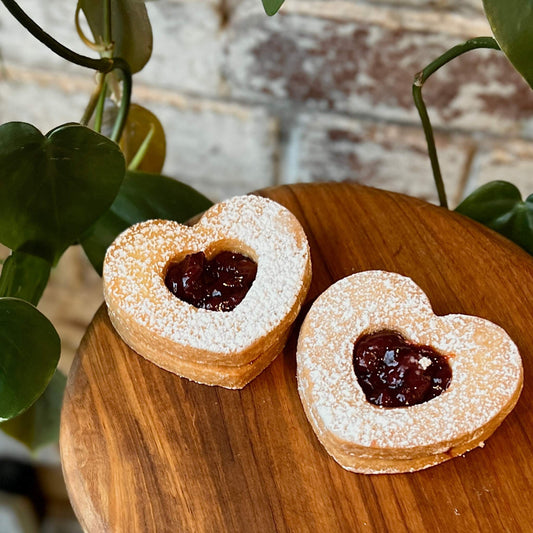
[508,160]
[42,99]
[434,5]
[456,6]
[453,16]
[368,69]
[55,17]
[220,149]
[188,47]
[385,156]
[408,15]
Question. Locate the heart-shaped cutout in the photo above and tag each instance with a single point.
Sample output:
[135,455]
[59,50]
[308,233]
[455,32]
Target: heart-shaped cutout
[486,378]
[396,373]
[217,284]
[226,348]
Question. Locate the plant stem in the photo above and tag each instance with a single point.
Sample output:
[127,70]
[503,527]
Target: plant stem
[420,79]
[94,100]
[124,106]
[100,106]
[103,64]
[141,152]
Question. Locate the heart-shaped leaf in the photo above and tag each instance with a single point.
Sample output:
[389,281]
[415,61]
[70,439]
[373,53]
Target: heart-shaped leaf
[29,354]
[54,187]
[272,6]
[142,125]
[39,425]
[142,197]
[131,31]
[24,276]
[512,22]
[499,206]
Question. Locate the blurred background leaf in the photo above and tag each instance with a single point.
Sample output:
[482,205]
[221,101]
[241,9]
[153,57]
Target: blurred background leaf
[24,276]
[142,197]
[39,425]
[130,29]
[141,125]
[29,354]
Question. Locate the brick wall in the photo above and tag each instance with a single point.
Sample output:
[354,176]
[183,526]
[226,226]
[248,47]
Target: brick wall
[321,91]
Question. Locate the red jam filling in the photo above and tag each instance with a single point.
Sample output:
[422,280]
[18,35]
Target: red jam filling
[395,373]
[218,284]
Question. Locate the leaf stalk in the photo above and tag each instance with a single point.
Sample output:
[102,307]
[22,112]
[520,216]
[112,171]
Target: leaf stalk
[420,78]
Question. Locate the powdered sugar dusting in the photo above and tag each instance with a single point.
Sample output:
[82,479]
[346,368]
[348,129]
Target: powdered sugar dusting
[486,365]
[135,264]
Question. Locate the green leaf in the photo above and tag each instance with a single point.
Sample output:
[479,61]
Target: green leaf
[499,206]
[39,425]
[142,197]
[24,276]
[130,29]
[512,24]
[54,187]
[272,6]
[29,355]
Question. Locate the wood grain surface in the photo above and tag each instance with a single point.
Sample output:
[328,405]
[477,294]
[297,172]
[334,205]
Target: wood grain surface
[146,451]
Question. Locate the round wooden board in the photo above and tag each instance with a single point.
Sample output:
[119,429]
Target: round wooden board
[146,451]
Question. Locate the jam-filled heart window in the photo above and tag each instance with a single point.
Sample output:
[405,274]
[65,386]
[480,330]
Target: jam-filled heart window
[394,372]
[219,283]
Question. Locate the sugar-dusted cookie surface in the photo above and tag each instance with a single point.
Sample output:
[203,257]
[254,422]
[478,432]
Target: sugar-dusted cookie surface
[485,385]
[226,348]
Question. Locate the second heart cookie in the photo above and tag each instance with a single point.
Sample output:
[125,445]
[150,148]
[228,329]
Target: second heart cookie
[213,302]
[388,386]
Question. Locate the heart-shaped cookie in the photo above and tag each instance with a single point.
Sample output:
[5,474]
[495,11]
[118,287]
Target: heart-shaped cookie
[226,348]
[486,376]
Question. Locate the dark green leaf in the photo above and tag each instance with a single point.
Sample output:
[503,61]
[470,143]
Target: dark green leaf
[499,206]
[24,276]
[29,354]
[272,6]
[512,22]
[39,425]
[130,29]
[142,197]
[54,187]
